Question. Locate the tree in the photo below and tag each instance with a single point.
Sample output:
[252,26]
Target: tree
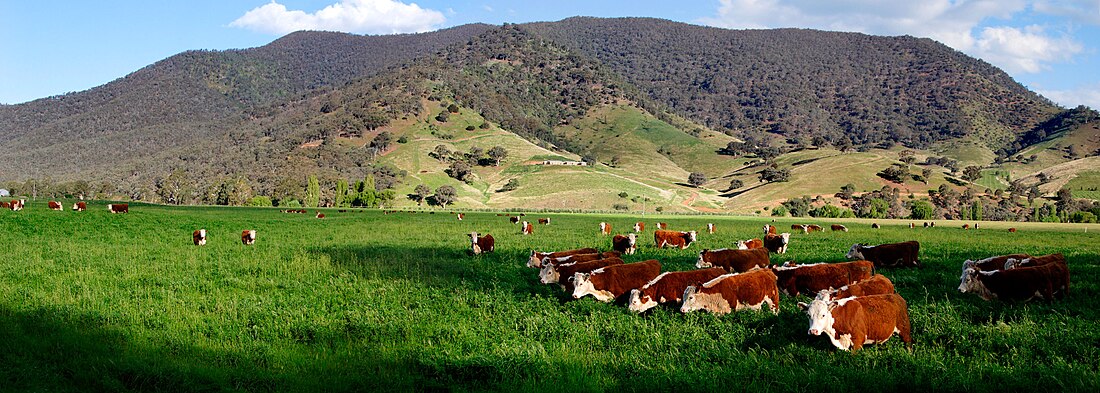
[441,152]
[774,174]
[381,141]
[846,191]
[444,195]
[452,108]
[313,192]
[844,145]
[697,179]
[972,173]
[907,156]
[818,141]
[894,173]
[459,170]
[421,193]
[176,188]
[511,185]
[926,173]
[442,117]
[736,183]
[340,196]
[922,210]
[498,153]
[241,192]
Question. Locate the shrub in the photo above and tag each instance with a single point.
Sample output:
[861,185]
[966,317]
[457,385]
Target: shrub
[260,201]
[291,203]
[779,211]
[620,206]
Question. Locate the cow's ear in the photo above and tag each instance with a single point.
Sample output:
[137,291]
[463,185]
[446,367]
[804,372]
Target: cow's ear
[833,305]
[803,306]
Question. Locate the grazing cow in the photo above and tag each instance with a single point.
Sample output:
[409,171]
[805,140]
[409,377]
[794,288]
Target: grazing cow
[513,219]
[734,261]
[932,224]
[926,224]
[874,225]
[814,228]
[581,258]
[669,288]
[664,238]
[1047,282]
[526,228]
[199,237]
[876,285]
[4,205]
[777,243]
[710,228]
[852,322]
[966,226]
[609,283]
[80,206]
[537,257]
[838,227]
[991,263]
[461,216]
[118,208]
[912,225]
[17,204]
[544,221]
[750,244]
[625,244]
[564,274]
[639,227]
[248,237]
[54,205]
[605,228]
[1012,230]
[1013,263]
[733,292]
[481,243]
[976,225]
[902,254]
[320,215]
[800,227]
[770,229]
[812,278]
[662,225]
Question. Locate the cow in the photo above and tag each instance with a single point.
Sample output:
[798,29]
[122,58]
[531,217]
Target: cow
[800,227]
[932,224]
[513,219]
[750,244]
[609,283]
[852,322]
[199,237]
[248,237]
[664,238]
[581,258]
[838,227]
[1012,230]
[812,278]
[5,205]
[710,228]
[54,205]
[777,243]
[1013,263]
[1046,282]
[564,274]
[80,206]
[733,292]
[537,257]
[662,225]
[926,224]
[627,244]
[481,243]
[874,225]
[320,215]
[966,226]
[977,225]
[734,261]
[876,285]
[544,221]
[912,225]
[770,229]
[814,228]
[17,204]
[342,211]
[669,288]
[526,228]
[605,228]
[903,254]
[639,227]
[460,216]
[118,208]
[991,263]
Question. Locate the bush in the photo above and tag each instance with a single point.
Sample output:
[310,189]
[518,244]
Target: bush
[511,185]
[922,210]
[260,201]
[623,194]
[830,211]
[470,128]
[291,203]
[403,139]
[1082,217]
[620,206]
[484,126]
[779,211]
[442,117]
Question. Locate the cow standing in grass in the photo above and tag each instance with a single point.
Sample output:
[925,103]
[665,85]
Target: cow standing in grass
[248,237]
[481,243]
[199,237]
[853,322]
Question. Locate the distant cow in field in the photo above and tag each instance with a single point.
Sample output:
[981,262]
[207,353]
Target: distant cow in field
[605,228]
[248,237]
[679,239]
[904,254]
[669,288]
[750,244]
[777,243]
[710,228]
[609,283]
[544,221]
[800,227]
[481,243]
[55,205]
[966,226]
[925,225]
[199,237]
[838,227]
[526,228]
[876,285]
[734,261]
[627,244]
[912,225]
[770,229]
[814,228]
[874,225]
[537,257]
[662,225]
[513,219]
[734,292]
[118,208]
[1012,230]
[17,204]
[1048,282]
[80,206]
[812,278]
[991,263]
[460,216]
[320,215]
[5,205]
[639,226]
[852,322]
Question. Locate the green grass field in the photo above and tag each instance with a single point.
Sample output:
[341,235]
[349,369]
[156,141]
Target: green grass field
[364,301]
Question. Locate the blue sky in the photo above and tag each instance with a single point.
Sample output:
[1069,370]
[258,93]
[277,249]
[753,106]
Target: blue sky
[54,47]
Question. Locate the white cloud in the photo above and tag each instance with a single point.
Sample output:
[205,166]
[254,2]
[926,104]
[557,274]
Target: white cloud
[1083,11]
[1083,95]
[1024,50]
[352,16]
[487,8]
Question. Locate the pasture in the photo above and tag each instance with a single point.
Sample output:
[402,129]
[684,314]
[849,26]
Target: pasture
[365,301]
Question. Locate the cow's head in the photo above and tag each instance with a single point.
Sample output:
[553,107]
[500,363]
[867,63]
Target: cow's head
[691,237]
[640,302]
[820,311]
[548,274]
[582,285]
[691,300]
[637,227]
[536,259]
[703,262]
[855,252]
[969,281]
[1013,263]
[741,245]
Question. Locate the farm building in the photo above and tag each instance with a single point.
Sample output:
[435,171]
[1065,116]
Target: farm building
[565,163]
[4,192]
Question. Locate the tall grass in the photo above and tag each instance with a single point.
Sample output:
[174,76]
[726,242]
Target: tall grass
[367,301]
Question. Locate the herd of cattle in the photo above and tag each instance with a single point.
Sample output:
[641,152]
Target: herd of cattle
[19,204]
[852,304]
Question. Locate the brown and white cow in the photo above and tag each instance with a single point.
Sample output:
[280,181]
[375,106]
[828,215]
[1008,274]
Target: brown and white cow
[800,227]
[17,204]
[750,244]
[814,228]
[199,237]
[734,292]
[461,216]
[876,285]
[669,288]
[1046,282]
[991,263]
[966,226]
[777,243]
[564,274]
[639,227]
[537,257]
[544,221]
[1012,230]
[481,243]
[1013,263]
[581,258]
[838,227]
[248,237]
[513,219]
[526,228]
[912,225]
[734,261]
[627,244]
[80,206]
[710,228]
[874,225]
[904,254]
[853,322]
[5,205]
[320,215]
[118,208]
[679,239]
[662,225]
[609,283]
[55,205]
[812,278]
[770,229]
[605,228]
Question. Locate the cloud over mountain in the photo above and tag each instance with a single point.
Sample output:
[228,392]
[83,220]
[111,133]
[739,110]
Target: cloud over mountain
[350,16]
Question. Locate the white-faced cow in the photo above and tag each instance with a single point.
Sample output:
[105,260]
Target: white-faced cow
[610,283]
[564,274]
[902,254]
[777,243]
[1027,261]
[800,227]
[770,229]
[320,215]
[639,227]
[461,216]
[199,237]
[248,237]
[734,261]
[750,244]
[55,205]
[481,243]
[838,227]
[1046,282]
[627,244]
[812,278]
[876,285]
[662,225]
[669,288]
[526,228]
[580,258]
[118,208]
[544,221]
[17,204]
[80,206]
[537,257]
[989,264]
[853,322]
[734,292]
[814,228]
[513,219]
[605,228]
[679,239]
[874,225]
[710,228]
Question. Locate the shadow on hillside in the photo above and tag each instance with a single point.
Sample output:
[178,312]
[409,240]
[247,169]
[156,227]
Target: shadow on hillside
[736,193]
